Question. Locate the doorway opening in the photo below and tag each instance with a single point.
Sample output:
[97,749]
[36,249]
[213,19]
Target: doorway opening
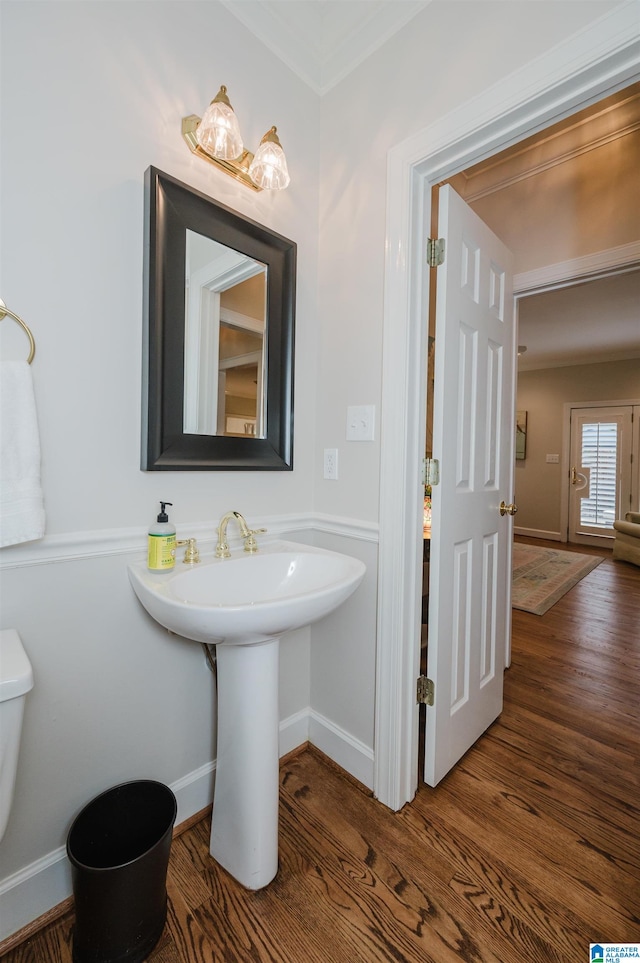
[534,103]
[491,182]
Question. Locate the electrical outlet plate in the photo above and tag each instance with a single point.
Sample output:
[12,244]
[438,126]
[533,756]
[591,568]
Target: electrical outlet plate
[361,422]
[331,464]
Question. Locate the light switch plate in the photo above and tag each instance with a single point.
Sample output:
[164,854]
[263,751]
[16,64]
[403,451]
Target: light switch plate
[553,459]
[361,422]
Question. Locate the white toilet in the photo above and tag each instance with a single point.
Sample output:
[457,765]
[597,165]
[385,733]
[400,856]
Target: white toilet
[16,679]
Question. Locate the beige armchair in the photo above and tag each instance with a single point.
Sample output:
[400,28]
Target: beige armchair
[626,545]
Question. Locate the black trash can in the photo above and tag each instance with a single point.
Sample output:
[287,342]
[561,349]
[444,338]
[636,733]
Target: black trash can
[119,846]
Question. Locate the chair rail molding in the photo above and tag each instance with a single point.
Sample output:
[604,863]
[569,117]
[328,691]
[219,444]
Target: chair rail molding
[128,541]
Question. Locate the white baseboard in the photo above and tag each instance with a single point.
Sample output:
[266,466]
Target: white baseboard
[537,533]
[294,732]
[194,792]
[349,753]
[33,891]
[37,888]
[340,746]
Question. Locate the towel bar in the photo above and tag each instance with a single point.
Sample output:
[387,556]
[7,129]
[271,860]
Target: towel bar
[4,310]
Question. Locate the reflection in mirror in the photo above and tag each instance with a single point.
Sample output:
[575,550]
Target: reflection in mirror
[225,328]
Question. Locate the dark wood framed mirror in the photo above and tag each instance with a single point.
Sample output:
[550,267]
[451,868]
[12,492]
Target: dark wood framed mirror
[218,336]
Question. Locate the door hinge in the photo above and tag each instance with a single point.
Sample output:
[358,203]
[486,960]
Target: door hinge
[435,251]
[430,471]
[426,691]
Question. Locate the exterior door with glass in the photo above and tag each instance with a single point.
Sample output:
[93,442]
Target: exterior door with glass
[600,473]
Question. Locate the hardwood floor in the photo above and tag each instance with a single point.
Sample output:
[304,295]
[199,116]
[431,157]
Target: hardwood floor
[527,852]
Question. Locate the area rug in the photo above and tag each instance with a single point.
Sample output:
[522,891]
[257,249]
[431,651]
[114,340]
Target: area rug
[541,576]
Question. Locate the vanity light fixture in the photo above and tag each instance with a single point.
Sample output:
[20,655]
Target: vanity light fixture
[217,139]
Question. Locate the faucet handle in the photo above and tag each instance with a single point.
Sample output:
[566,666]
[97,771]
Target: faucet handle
[250,544]
[191,553]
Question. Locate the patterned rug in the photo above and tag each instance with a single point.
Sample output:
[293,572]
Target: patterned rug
[541,576]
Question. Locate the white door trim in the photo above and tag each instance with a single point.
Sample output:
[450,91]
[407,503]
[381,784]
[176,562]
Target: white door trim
[602,264]
[588,66]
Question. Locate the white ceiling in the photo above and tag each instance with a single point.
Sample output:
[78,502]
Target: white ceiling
[323,40]
[599,321]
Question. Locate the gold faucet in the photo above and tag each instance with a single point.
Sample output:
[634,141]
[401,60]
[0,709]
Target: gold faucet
[248,534]
[191,553]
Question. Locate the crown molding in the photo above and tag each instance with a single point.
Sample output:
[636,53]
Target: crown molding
[323,41]
[591,130]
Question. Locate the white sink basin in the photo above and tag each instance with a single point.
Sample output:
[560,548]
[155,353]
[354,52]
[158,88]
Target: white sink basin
[243,605]
[248,598]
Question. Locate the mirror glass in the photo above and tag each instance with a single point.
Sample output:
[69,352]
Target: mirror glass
[224,358]
[218,335]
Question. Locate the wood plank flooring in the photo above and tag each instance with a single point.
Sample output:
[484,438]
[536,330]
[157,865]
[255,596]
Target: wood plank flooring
[525,853]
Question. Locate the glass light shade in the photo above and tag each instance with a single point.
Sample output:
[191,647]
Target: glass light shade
[269,166]
[218,132]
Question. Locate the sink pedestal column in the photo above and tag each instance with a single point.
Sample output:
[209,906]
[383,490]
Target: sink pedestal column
[244,827]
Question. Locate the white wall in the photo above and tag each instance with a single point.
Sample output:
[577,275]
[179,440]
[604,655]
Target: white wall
[92,94]
[114,697]
[543,394]
[445,56]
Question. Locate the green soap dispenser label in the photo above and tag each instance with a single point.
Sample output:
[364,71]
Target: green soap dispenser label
[162,552]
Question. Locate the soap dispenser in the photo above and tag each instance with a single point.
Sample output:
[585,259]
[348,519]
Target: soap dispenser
[162,543]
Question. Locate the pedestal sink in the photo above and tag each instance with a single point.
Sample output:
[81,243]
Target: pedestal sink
[242,605]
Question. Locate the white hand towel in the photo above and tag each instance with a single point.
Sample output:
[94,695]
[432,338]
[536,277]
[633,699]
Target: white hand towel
[21,501]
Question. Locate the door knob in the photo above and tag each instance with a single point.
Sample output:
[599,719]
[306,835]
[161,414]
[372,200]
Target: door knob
[580,481]
[508,509]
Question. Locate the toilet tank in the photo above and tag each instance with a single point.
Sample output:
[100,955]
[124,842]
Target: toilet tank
[16,679]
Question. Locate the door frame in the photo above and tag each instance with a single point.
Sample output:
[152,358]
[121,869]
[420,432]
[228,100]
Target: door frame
[588,66]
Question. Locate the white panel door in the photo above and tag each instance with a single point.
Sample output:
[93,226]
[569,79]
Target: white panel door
[474,410]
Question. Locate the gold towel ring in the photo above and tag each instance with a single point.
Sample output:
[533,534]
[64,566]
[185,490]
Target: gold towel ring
[4,310]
